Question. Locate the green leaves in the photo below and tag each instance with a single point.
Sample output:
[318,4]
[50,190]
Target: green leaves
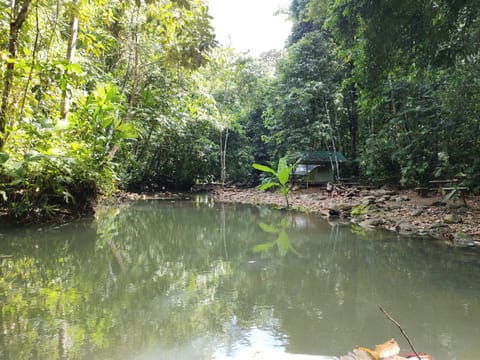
[282,174]
[268,185]
[3,157]
[264,168]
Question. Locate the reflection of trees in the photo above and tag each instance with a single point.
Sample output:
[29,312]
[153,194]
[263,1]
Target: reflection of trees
[73,297]
[38,294]
[162,274]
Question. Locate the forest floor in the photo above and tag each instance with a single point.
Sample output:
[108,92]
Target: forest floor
[456,221]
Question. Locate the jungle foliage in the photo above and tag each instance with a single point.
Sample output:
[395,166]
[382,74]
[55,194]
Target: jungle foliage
[93,93]
[97,96]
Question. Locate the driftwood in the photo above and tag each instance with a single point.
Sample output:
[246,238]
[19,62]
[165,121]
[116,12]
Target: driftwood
[342,190]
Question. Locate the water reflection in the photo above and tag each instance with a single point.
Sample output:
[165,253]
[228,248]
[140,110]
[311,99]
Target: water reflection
[164,280]
[282,240]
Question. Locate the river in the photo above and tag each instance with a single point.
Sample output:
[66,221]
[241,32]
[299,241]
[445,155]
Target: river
[199,280]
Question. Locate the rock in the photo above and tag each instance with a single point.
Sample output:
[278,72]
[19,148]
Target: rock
[418,211]
[324,212]
[371,223]
[438,230]
[399,198]
[333,212]
[395,207]
[438,225]
[462,240]
[382,192]
[340,210]
[344,207]
[404,227]
[369,200]
[452,219]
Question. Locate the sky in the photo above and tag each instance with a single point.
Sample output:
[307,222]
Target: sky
[250,25]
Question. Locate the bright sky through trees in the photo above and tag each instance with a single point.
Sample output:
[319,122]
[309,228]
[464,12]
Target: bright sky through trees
[250,24]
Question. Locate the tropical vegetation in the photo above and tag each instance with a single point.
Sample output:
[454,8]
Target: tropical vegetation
[98,96]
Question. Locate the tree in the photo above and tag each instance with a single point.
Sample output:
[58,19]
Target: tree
[399,55]
[302,113]
[92,77]
[17,16]
[237,85]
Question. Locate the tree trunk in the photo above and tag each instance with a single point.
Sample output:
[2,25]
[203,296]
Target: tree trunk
[354,122]
[18,15]
[353,116]
[136,78]
[72,46]
[336,168]
[223,156]
[32,65]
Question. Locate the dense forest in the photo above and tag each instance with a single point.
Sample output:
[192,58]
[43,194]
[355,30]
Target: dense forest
[137,95]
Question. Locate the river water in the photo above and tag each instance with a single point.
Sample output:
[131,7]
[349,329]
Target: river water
[198,280]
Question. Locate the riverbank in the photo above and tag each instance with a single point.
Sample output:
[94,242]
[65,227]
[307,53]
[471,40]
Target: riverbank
[406,212]
[456,222]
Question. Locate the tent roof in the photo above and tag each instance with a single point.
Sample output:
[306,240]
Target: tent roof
[303,169]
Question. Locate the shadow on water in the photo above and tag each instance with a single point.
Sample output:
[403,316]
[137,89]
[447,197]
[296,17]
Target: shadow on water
[197,280]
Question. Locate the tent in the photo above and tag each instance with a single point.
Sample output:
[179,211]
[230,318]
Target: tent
[317,167]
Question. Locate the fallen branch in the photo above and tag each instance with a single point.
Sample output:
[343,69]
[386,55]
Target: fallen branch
[401,330]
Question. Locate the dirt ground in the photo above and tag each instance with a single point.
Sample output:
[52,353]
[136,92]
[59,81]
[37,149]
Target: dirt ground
[457,220]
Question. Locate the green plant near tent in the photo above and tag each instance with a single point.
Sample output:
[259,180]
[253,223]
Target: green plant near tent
[282,175]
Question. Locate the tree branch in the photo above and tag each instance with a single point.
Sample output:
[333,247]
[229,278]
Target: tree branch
[401,330]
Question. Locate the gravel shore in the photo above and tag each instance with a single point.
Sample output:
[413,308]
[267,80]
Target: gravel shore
[456,221]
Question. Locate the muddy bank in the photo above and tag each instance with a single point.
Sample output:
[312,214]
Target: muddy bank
[456,221]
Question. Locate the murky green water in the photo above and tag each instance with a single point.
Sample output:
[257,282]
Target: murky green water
[163,280]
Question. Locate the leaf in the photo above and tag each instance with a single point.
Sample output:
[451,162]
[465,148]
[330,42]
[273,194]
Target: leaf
[268,185]
[76,68]
[283,176]
[268,228]
[283,171]
[4,195]
[263,247]
[449,195]
[191,282]
[264,168]
[61,126]
[33,157]
[68,197]
[4,157]
[356,229]
[16,181]
[127,131]
[283,243]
